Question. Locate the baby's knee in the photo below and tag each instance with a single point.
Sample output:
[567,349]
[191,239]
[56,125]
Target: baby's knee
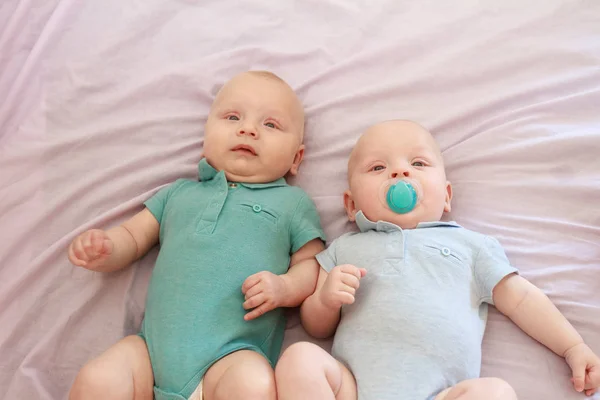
[484,388]
[481,388]
[295,359]
[92,382]
[250,386]
[304,361]
[499,389]
[298,354]
[259,387]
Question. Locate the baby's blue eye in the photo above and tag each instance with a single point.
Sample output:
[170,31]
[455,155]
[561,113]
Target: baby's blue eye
[233,118]
[378,168]
[270,125]
[418,164]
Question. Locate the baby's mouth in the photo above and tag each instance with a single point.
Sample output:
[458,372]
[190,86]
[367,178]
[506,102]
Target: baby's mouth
[244,149]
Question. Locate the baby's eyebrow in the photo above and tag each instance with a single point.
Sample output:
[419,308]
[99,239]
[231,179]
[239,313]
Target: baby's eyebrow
[279,114]
[428,152]
[367,160]
[224,107]
[424,149]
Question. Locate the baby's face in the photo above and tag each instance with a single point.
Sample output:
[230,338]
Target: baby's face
[397,149]
[254,129]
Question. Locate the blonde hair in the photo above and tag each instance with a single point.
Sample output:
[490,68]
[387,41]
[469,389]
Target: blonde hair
[268,75]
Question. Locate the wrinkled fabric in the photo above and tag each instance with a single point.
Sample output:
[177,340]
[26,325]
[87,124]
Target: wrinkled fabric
[102,103]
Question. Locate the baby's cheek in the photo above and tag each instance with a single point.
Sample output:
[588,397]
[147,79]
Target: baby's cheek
[373,207]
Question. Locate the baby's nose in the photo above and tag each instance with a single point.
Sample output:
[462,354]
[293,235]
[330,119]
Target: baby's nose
[400,174]
[249,132]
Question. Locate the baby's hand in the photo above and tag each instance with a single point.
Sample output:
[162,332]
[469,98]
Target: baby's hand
[341,285]
[263,292]
[586,368]
[90,249]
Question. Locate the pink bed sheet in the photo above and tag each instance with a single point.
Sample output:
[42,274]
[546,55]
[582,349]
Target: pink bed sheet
[101,103]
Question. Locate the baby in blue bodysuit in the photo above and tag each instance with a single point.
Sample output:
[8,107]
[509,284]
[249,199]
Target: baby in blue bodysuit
[236,245]
[409,293]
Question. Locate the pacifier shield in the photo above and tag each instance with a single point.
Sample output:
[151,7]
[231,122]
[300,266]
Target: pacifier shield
[402,197]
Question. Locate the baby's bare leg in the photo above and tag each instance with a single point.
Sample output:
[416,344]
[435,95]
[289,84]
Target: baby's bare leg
[479,389]
[244,375]
[123,372]
[305,371]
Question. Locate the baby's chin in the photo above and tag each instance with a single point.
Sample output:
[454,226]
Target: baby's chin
[243,171]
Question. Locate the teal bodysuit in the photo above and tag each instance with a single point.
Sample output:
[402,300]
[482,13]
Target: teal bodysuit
[213,235]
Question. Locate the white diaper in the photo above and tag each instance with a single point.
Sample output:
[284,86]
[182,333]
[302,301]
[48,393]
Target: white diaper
[197,395]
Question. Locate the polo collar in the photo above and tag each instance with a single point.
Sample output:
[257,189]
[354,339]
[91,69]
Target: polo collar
[207,172]
[365,224]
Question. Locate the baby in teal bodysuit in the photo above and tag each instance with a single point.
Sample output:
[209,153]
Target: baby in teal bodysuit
[236,245]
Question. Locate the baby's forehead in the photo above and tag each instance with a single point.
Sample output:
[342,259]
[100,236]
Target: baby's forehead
[385,142]
[393,144]
[252,90]
[256,83]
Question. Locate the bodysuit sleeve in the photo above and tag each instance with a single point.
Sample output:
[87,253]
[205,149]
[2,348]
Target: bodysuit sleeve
[157,203]
[306,224]
[327,258]
[491,266]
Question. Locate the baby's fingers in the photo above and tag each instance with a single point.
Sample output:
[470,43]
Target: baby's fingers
[345,297]
[74,259]
[79,251]
[578,378]
[254,301]
[347,289]
[96,242]
[592,380]
[351,269]
[250,282]
[86,241]
[253,291]
[257,312]
[350,280]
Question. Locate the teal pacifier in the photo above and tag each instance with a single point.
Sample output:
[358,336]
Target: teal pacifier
[402,196]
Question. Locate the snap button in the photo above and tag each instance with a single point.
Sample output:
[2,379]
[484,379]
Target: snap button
[257,208]
[446,251]
[233,185]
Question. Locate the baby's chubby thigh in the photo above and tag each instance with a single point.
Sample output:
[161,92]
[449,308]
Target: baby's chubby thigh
[478,389]
[123,372]
[306,371]
[244,374]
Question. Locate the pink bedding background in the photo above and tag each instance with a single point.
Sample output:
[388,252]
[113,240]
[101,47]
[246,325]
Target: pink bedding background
[102,103]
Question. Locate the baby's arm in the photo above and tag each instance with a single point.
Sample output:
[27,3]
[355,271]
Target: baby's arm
[107,251]
[301,278]
[529,308]
[320,313]
[266,291]
[317,319]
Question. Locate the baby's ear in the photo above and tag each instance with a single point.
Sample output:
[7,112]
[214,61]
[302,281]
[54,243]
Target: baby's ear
[447,205]
[297,161]
[350,206]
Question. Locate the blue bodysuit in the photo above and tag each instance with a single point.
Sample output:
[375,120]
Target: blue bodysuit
[419,315]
